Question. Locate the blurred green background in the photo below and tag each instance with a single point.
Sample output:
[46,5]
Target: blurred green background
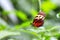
[16,17]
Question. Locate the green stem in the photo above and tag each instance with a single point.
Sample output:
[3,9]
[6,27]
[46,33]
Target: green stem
[39,1]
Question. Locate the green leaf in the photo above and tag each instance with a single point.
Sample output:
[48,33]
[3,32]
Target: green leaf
[23,25]
[33,12]
[47,6]
[22,15]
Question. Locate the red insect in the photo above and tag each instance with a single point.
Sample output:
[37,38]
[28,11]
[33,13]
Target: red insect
[39,19]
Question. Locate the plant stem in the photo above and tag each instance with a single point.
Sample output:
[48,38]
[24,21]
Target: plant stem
[39,1]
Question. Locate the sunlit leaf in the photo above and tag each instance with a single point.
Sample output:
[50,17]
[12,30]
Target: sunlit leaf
[22,15]
[47,6]
[58,15]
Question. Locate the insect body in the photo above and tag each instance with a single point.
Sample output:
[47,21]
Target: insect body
[39,19]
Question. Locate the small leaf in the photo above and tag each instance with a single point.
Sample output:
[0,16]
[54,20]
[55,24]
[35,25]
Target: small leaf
[58,15]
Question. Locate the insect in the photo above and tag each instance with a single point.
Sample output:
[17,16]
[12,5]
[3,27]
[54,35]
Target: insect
[39,19]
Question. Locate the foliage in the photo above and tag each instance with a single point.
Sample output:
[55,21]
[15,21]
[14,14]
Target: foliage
[20,28]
